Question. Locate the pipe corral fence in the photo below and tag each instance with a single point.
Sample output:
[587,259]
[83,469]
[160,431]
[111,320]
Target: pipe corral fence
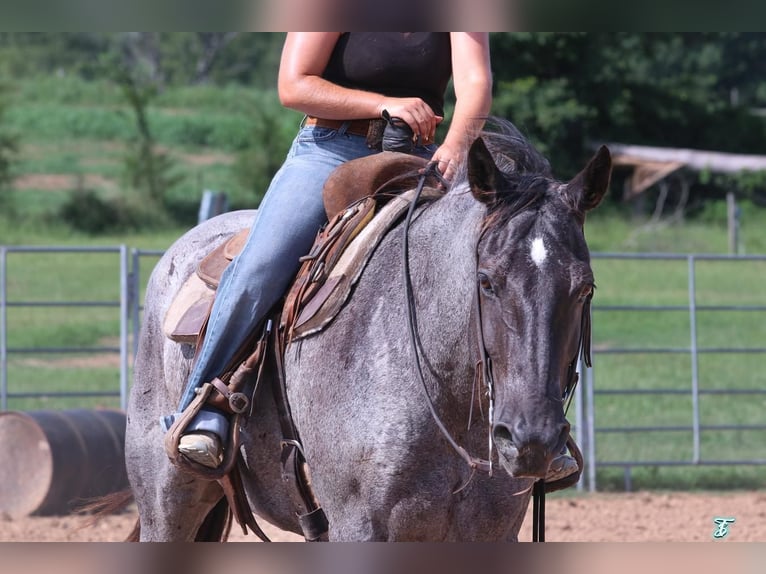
[657,403]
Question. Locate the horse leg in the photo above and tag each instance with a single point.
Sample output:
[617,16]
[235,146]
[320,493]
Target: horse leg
[481,512]
[172,505]
[405,489]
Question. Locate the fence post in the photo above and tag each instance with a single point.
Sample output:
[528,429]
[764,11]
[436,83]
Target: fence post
[582,429]
[695,361]
[591,427]
[124,325]
[135,297]
[732,218]
[3,332]
[212,203]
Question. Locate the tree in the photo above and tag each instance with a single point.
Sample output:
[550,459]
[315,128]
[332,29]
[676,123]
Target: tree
[169,58]
[190,58]
[9,147]
[663,89]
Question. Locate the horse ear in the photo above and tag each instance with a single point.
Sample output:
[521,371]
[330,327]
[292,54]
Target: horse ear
[588,187]
[483,174]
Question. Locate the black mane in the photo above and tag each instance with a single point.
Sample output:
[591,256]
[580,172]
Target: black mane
[526,172]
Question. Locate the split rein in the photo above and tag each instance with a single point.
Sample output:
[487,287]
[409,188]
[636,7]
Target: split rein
[484,366]
[412,321]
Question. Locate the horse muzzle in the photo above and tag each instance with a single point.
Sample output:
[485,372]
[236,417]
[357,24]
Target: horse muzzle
[526,454]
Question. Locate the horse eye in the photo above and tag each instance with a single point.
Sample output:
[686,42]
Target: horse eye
[587,293]
[485,284]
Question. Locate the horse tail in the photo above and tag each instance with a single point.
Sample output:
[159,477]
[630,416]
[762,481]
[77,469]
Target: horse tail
[112,503]
[217,524]
[135,534]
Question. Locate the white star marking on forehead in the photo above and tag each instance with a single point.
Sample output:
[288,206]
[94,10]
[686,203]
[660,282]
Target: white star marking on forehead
[538,252]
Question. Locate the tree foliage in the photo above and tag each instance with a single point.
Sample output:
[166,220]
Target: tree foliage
[564,90]
[168,58]
[695,90]
[688,90]
[9,149]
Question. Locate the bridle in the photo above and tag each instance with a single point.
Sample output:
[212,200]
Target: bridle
[417,345]
[484,363]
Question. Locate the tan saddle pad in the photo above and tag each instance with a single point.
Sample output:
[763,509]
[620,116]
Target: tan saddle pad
[324,305]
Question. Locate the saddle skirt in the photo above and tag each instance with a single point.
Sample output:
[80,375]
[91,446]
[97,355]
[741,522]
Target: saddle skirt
[327,274]
[336,281]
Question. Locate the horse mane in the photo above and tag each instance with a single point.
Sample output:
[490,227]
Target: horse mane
[526,172]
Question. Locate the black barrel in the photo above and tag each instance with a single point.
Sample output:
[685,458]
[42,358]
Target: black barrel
[51,462]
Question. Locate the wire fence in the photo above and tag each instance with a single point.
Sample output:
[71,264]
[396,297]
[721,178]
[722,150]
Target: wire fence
[678,346]
[678,376]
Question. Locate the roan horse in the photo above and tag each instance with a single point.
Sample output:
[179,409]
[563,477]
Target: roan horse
[504,249]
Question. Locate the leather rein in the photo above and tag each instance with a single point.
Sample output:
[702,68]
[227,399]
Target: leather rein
[484,364]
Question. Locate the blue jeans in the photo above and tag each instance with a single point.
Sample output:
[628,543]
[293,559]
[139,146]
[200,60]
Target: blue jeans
[288,219]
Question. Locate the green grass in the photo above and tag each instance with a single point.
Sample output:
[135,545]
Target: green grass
[47,375]
[613,230]
[665,283]
[77,135]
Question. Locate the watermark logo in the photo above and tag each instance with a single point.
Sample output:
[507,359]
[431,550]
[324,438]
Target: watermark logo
[722,527]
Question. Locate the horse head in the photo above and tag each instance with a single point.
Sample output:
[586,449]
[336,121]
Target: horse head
[534,285]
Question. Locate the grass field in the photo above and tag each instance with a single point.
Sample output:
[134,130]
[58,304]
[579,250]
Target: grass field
[629,347]
[76,134]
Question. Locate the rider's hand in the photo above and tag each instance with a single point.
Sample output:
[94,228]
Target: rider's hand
[446,158]
[418,115]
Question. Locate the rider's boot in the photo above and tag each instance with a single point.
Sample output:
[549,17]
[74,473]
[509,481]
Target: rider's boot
[202,447]
[202,440]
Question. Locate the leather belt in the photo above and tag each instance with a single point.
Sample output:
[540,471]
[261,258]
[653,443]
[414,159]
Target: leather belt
[355,127]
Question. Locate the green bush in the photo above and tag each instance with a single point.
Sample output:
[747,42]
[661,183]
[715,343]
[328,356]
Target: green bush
[186,128]
[68,90]
[86,211]
[9,149]
[225,132]
[181,204]
[52,121]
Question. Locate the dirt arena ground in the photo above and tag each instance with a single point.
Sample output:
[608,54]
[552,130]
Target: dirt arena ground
[635,517]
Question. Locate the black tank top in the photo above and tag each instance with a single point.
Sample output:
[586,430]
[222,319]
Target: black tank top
[415,64]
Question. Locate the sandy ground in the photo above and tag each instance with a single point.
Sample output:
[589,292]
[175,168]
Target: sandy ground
[635,517]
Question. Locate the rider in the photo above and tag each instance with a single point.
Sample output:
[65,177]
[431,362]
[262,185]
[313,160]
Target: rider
[340,81]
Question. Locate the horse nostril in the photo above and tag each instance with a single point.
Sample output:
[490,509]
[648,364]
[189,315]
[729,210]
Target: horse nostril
[521,436]
[502,433]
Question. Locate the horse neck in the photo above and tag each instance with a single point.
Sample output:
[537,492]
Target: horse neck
[444,239]
[443,267]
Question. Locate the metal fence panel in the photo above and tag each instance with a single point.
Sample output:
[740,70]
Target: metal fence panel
[742,294]
[25,297]
[688,343]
